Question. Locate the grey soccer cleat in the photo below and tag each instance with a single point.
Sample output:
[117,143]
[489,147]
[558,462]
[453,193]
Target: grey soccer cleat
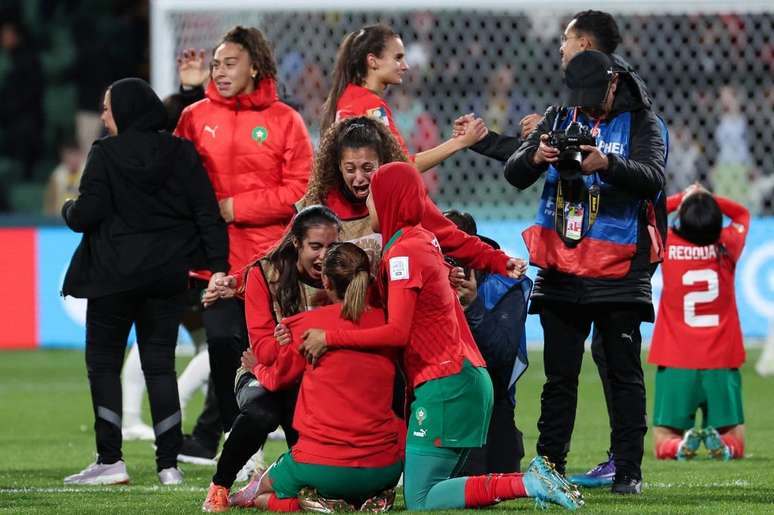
[171,476]
[100,474]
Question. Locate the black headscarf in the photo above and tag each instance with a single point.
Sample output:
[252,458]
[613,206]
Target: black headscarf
[136,106]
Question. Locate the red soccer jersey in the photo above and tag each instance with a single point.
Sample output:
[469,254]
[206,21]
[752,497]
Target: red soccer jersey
[262,313]
[439,338]
[698,325]
[344,411]
[359,101]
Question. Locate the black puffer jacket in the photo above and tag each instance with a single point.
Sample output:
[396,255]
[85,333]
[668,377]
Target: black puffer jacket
[640,176]
[146,206]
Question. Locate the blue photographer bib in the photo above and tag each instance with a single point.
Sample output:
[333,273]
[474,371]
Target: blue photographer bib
[610,241]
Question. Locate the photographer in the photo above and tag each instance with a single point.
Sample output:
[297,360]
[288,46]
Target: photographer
[587,30]
[595,252]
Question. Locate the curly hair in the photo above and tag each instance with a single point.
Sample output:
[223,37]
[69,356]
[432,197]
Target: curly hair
[257,47]
[350,133]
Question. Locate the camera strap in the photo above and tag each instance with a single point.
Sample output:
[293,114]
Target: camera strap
[568,217]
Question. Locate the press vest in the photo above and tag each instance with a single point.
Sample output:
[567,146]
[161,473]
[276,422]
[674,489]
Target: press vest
[610,243]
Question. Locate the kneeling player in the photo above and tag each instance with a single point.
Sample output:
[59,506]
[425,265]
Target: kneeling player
[697,342]
[350,445]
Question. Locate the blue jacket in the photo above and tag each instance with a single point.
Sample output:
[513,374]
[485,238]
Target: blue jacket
[496,318]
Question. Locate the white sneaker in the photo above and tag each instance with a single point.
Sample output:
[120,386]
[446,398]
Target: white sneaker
[279,434]
[138,432]
[171,476]
[100,474]
[255,462]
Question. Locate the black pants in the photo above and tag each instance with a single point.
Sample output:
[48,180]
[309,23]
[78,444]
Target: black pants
[504,447]
[224,322]
[260,413]
[565,327]
[156,316]
[598,355]
[208,427]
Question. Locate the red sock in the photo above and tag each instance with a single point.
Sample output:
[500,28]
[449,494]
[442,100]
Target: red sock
[734,444]
[491,489]
[284,505]
[667,449]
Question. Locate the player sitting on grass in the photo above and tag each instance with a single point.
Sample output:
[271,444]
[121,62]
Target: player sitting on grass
[697,343]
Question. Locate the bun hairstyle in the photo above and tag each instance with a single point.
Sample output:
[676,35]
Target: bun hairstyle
[699,219]
[347,267]
[285,256]
[351,67]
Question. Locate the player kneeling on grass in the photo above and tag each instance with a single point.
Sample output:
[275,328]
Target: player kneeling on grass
[697,343]
[350,445]
[452,390]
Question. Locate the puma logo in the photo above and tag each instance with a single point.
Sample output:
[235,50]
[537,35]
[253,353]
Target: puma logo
[211,130]
[628,337]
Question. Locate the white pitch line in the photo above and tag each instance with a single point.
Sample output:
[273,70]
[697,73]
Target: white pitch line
[100,489]
[735,483]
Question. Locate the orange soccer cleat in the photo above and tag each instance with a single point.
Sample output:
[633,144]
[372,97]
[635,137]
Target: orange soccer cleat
[217,499]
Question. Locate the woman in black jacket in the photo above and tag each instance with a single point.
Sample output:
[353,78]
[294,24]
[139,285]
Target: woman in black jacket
[148,214]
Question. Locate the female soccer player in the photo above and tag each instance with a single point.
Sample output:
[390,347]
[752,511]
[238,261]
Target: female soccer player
[258,154]
[697,343]
[367,62]
[287,281]
[453,392]
[350,444]
[350,152]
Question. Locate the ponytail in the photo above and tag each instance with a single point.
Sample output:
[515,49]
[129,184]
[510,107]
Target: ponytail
[347,267]
[350,66]
[355,296]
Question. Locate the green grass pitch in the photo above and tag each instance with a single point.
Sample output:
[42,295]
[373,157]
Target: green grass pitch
[46,433]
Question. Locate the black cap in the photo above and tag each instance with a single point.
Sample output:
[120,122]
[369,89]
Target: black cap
[489,241]
[587,76]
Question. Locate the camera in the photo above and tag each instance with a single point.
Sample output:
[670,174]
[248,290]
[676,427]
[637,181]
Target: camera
[568,143]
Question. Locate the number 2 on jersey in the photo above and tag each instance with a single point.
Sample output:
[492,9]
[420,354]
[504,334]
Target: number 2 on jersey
[695,297]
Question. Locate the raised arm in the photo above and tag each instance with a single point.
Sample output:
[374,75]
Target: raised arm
[469,250]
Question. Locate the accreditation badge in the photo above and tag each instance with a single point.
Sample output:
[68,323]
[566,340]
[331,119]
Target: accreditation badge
[573,216]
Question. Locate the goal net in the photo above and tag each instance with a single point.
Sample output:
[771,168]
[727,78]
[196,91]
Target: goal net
[708,65]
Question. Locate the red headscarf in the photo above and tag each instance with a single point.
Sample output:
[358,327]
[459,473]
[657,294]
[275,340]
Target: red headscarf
[399,197]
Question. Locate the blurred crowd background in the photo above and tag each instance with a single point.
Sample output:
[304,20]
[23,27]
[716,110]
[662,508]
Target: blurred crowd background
[710,76]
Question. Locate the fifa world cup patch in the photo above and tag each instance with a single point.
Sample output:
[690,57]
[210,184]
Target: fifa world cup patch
[399,268]
[380,114]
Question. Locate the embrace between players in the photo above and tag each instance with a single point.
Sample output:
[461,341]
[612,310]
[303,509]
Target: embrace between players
[358,282]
